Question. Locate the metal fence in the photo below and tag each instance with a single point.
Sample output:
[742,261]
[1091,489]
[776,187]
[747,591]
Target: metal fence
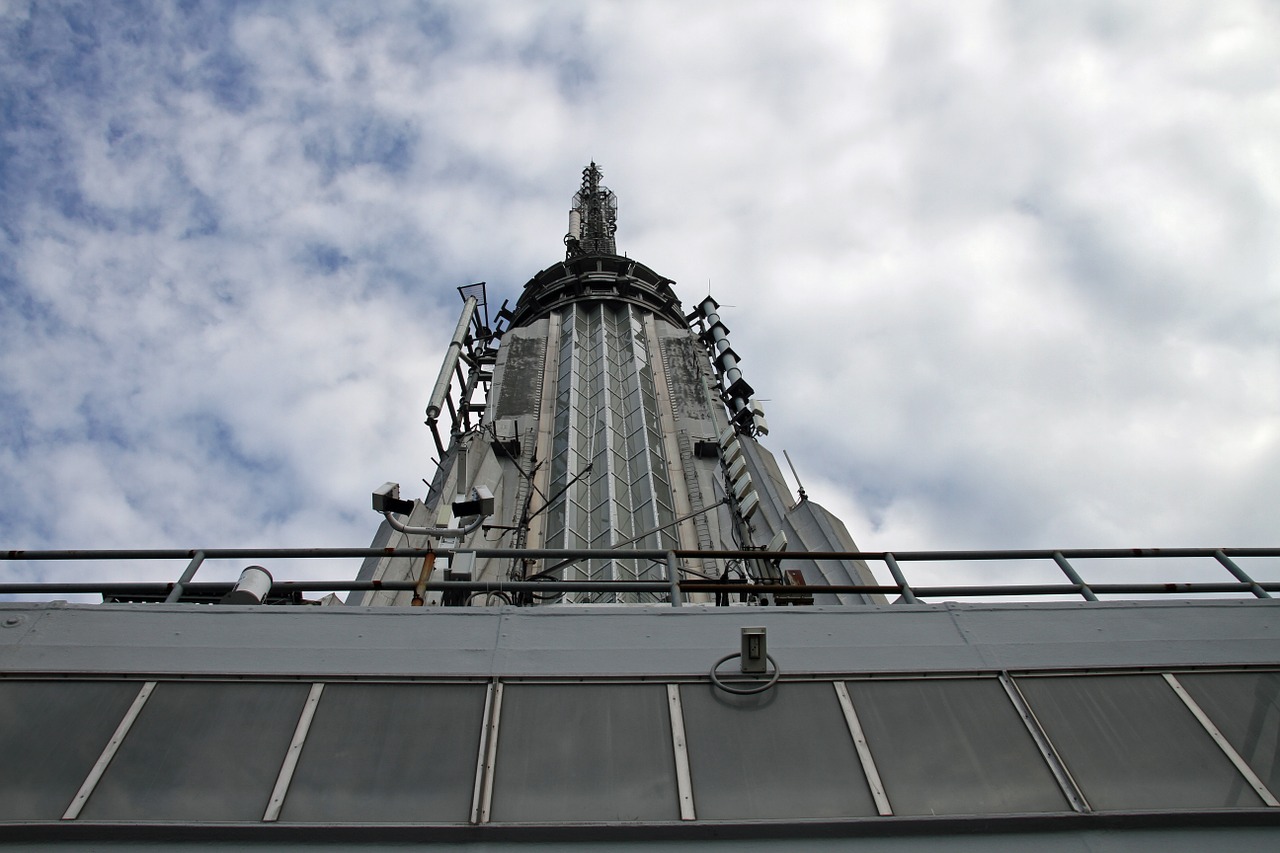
[676,586]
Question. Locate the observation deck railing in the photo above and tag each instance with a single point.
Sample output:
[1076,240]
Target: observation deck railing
[674,586]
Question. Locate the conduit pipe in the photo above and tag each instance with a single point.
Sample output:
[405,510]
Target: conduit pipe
[451,359]
[440,532]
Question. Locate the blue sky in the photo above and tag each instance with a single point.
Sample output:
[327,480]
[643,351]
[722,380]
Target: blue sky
[1005,272]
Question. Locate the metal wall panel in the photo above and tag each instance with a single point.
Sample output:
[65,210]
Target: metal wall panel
[200,751]
[953,746]
[401,753]
[1131,744]
[51,733]
[785,753]
[597,752]
[1245,706]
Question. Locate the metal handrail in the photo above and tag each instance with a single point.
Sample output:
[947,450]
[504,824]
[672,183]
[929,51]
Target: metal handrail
[674,588]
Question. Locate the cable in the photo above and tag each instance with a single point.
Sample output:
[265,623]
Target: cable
[744,691]
[440,532]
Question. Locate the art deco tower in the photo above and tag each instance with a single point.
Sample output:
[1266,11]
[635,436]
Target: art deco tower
[600,414]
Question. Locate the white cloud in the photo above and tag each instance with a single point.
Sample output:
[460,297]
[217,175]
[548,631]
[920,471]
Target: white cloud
[1004,270]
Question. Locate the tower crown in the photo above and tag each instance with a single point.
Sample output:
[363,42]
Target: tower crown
[593,219]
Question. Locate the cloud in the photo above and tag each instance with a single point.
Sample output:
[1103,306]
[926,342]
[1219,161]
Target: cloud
[1003,271]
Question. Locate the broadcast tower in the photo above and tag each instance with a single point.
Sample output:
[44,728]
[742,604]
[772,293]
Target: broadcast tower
[600,413]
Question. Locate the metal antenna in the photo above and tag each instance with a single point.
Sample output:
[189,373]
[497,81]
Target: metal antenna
[593,219]
[799,485]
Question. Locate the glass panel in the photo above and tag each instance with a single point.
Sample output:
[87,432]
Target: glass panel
[1245,706]
[51,733]
[1131,744]
[784,753]
[598,752]
[389,752]
[953,746]
[204,751]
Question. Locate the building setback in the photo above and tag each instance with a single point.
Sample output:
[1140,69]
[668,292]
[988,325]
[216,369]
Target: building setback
[627,629]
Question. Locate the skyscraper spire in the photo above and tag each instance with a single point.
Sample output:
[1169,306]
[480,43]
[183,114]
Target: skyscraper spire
[593,219]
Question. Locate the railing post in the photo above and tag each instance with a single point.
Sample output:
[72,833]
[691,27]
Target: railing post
[900,579]
[673,577]
[1240,574]
[175,594]
[1073,577]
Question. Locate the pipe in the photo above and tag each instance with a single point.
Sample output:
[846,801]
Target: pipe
[176,594]
[451,359]
[439,532]
[610,553]
[900,579]
[673,577]
[1073,576]
[1240,574]
[661,586]
[428,564]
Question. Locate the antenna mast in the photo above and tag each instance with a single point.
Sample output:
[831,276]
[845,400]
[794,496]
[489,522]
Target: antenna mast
[593,219]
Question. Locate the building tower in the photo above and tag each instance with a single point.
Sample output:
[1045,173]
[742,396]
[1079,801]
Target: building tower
[598,414]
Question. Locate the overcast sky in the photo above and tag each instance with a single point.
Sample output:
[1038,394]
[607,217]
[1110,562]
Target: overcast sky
[1006,273]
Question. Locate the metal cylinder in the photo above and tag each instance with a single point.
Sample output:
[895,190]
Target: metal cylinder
[254,584]
[451,359]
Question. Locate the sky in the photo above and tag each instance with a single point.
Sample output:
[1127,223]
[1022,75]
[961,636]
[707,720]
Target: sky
[1005,274]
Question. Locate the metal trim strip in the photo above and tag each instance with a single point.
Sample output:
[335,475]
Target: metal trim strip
[108,752]
[1240,764]
[883,807]
[477,782]
[490,753]
[290,763]
[1061,775]
[684,779]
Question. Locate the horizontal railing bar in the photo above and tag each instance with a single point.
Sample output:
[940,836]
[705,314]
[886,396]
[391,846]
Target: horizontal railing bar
[621,553]
[195,589]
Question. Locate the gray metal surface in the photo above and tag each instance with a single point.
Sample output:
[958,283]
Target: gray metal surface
[948,836]
[181,639]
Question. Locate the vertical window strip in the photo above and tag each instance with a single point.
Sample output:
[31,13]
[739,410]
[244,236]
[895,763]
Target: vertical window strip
[290,764]
[1061,774]
[883,807]
[1240,764]
[489,751]
[108,752]
[684,779]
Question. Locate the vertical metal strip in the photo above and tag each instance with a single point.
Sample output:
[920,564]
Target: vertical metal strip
[864,751]
[673,577]
[540,475]
[908,596]
[290,763]
[1243,766]
[1073,576]
[490,754]
[481,753]
[108,752]
[1075,797]
[175,594]
[684,781]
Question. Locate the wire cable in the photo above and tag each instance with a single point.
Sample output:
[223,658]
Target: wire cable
[744,691]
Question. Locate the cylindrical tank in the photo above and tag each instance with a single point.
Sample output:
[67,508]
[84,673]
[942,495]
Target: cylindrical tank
[253,586]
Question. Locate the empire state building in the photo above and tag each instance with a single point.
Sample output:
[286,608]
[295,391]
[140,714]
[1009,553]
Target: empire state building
[600,413]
